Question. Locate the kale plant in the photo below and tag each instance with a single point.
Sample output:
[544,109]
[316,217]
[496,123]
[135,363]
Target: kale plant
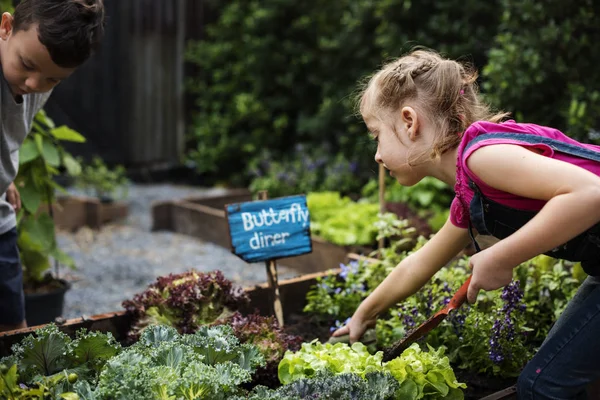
[210,364]
[49,363]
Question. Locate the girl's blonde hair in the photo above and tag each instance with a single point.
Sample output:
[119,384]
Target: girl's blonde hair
[445,90]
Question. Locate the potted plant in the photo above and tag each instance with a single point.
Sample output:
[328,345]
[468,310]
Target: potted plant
[103,182]
[41,158]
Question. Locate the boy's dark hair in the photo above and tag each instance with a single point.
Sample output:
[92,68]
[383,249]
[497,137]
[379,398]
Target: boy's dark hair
[70,29]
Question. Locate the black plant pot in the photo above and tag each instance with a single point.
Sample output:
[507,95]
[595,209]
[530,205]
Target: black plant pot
[42,308]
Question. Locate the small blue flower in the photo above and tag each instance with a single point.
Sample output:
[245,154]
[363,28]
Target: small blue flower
[345,271]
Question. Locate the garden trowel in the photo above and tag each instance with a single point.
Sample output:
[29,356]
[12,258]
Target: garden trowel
[456,301]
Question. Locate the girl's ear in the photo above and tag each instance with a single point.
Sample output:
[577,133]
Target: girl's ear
[410,122]
[6,26]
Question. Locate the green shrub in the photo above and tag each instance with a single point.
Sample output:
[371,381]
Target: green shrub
[279,72]
[543,66]
[304,173]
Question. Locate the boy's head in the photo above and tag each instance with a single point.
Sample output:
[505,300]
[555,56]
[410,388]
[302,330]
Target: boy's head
[46,40]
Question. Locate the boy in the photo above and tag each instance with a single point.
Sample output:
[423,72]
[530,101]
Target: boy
[42,44]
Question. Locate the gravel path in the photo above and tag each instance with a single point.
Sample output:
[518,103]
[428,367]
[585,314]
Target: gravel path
[121,259]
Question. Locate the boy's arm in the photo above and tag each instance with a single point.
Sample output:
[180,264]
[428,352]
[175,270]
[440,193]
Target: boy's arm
[407,278]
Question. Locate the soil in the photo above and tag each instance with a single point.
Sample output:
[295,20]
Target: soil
[478,386]
[308,328]
[48,285]
[403,211]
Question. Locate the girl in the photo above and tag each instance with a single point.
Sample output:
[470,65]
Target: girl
[530,186]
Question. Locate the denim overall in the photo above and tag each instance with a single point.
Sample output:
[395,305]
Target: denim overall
[567,361]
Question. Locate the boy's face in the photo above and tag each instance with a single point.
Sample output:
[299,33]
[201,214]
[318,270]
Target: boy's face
[26,63]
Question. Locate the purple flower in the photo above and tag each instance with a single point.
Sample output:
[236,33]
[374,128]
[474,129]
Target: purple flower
[356,287]
[339,324]
[349,269]
[345,271]
[503,329]
[409,321]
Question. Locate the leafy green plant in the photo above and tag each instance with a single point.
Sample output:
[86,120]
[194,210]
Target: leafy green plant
[103,182]
[270,339]
[536,69]
[421,375]
[505,318]
[209,364]
[548,285]
[306,170]
[49,363]
[326,385]
[290,76]
[342,221]
[335,297]
[7,6]
[41,157]
[430,199]
[495,336]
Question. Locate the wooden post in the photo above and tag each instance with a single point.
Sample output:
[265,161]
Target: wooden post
[272,276]
[381,198]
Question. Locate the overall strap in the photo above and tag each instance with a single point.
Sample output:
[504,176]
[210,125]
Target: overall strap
[472,236]
[556,145]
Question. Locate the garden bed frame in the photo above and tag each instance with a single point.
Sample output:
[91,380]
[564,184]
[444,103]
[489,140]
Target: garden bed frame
[73,212]
[204,217]
[119,322]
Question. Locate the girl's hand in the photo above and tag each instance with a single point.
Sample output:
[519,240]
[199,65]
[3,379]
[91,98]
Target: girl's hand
[355,328]
[489,273]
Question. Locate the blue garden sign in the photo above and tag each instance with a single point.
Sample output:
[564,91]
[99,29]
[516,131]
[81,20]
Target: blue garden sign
[269,229]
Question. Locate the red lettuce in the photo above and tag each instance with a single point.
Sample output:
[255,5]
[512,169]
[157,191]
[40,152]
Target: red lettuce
[185,301]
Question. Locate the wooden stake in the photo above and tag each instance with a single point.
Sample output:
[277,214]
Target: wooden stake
[272,276]
[381,198]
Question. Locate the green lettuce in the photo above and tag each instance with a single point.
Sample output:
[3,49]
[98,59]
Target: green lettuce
[421,375]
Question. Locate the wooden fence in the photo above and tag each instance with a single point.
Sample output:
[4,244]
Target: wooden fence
[127,100]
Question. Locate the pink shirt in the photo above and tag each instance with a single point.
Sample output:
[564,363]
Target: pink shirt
[459,210]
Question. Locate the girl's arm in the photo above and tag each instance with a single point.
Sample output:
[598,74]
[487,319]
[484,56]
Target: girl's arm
[407,278]
[573,205]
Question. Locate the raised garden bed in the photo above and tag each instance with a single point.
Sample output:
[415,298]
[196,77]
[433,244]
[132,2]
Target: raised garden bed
[204,217]
[293,294]
[74,212]
[118,323]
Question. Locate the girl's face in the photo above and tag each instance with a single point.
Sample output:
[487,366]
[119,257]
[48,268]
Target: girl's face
[399,145]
